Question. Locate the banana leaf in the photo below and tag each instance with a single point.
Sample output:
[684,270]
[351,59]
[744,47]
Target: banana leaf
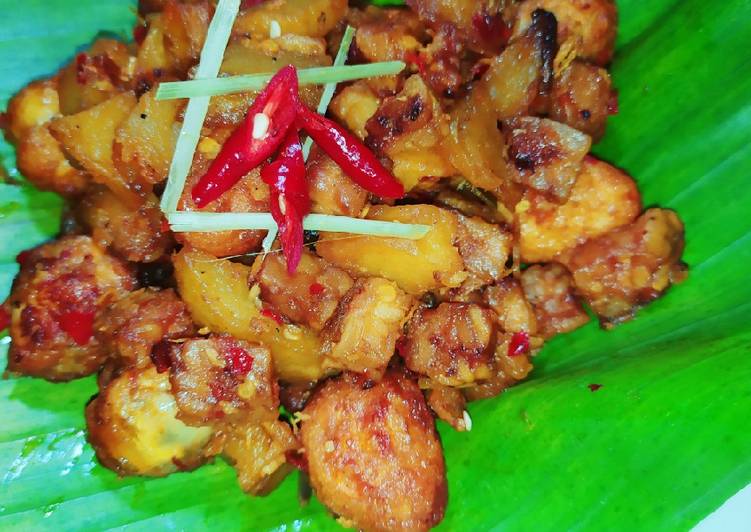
[661,445]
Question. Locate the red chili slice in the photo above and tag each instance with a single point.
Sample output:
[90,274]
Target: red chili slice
[519,344]
[290,201]
[239,361]
[160,356]
[78,325]
[23,257]
[357,161]
[316,289]
[4,319]
[271,115]
[268,313]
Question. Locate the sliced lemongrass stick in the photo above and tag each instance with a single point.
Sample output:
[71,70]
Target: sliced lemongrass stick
[256,82]
[268,240]
[328,90]
[208,67]
[205,222]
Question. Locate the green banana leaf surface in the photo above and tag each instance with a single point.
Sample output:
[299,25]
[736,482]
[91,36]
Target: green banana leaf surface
[661,445]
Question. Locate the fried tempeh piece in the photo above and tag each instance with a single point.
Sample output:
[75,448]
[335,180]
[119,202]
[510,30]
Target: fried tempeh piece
[373,454]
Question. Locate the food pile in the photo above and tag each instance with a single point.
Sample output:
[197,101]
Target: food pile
[333,352]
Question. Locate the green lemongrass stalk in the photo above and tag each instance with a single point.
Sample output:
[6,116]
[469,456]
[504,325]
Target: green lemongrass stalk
[206,222]
[255,82]
[328,90]
[212,54]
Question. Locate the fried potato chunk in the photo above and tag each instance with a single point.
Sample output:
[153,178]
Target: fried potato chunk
[602,199]
[250,194]
[331,190]
[354,106]
[415,265]
[622,270]
[362,335]
[221,378]
[219,296]
[582,97]
[134,234]
[409,128]
[36,104]
[258,453]
[386,34]
[373,454]
[62,286]
[145,141]
[550,290]
[88,136]
[130,328]
[133,427]
[485,248]
[310,295]
[452,344]
[590,24]
[42,161]
[509,370]
[545,155]
[314,18]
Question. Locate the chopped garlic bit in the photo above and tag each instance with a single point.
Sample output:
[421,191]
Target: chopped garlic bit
[275,30]
[329,446]
[467,420]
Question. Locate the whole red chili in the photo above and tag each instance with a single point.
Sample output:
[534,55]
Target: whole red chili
[239,361]
[519,344]
[78,325]
[290,201]
[4,319]
[256,139]
[357,161]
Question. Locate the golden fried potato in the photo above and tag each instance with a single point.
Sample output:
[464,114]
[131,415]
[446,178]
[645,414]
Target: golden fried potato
[354,105]
[409,129]
[373,454]
[42,161]
[185,25]
[362,335]
[250,194]
[448,404]
[331,190]
[582,98]
[88,136]
[314,18]
[133,427]
[145,141]
[34,105]
[309,296]
[602,199]
[133,234]
[258,453]
[630,266]
[415,265]
[386,34]
[130,328]
[222,379]
[219,296]
[153,62]
[549,289]
[485,248]
[546,156]
[590,24]
[452,344]
[94,76]
[61,288]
